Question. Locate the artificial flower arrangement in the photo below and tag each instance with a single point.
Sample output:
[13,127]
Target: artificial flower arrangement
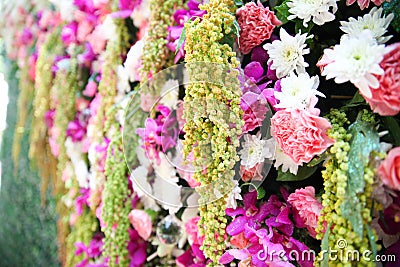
[290,145]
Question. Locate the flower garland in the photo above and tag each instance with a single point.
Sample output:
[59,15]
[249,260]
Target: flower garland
[26,92]
[39,149]
[116,205]
[155,51]
[64,88]
[336,186]
[116,47]
[203,44]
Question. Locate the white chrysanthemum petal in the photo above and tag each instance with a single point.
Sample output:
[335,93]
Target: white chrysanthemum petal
[254,151]
[286,55]
[355,59]
[319,11]
[297,91]
[374,21]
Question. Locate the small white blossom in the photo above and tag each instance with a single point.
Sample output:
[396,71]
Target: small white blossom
[373,21]
[320,11]
[296,91]
[254,151]
[287,53]
[233,196]
[356,59]
[133,62]
[170,93]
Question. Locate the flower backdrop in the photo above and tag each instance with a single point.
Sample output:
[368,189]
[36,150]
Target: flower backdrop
[220,132]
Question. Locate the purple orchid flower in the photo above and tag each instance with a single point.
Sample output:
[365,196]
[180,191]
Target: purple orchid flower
[69,33]
[87,57]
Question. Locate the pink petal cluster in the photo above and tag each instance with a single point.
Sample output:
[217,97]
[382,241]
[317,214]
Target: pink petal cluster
[193,231]
[141,221]
[301,134]
[389,169]
[364,3]
[256,25]
[385,100]
[307,206]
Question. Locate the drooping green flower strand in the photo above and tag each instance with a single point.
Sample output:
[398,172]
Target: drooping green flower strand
[155,51]
[116,205]
[213,117]
[115,49]
[39,149]
[335,178]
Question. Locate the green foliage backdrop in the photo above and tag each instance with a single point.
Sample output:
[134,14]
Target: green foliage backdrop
[28,230]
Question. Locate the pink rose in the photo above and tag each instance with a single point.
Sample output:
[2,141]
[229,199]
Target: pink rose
[84,29]
[307,206]
[141,221]
[90,89]
[301,134]
[364,3]
[385,99]
[256,25]
[97,39]
[389,170]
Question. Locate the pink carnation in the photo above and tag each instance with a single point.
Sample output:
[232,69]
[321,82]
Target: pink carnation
[301,134]
[364,3]
[141,221]
[307,206]
[389,170]
[385,100]
[256,25]
[193,231]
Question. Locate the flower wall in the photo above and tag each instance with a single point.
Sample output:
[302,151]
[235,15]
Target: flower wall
[194,133]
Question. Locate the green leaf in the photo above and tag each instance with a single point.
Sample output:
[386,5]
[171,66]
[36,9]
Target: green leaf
[282,12]
[260,193]
[351,210]
[181,40]
[236,29]
[394,8]
[372,242]
[325,247]
[152,213]
[394,129]
[364,140]
[238,3]
[317,160]
[303,173]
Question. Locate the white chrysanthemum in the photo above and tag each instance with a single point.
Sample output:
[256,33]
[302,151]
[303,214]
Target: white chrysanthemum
[123,86]
[132,62]
[234,195]
[356,59]
[142,188]
[286,54]
[320,11]
[110,30]
[281,159]
[170,93]
[74,152]
[141,14]
[254,151]
[373,21]
[165,169]
[296,91]
[66,8]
